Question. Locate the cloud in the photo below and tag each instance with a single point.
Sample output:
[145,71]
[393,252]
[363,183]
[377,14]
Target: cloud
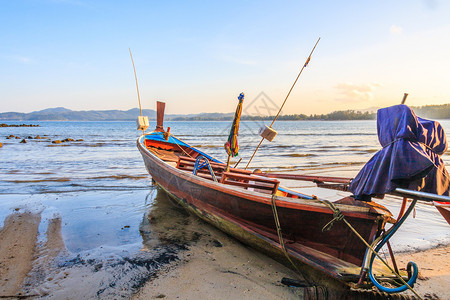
[395,29]
[352,93]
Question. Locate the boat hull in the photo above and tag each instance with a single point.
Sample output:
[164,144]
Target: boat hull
[331,257]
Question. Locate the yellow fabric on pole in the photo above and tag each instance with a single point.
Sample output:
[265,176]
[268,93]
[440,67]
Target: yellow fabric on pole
[232,146]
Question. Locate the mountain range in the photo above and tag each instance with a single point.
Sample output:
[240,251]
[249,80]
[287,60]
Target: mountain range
[64,114]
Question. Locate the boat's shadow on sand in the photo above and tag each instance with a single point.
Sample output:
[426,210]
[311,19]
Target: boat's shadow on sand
[168,224]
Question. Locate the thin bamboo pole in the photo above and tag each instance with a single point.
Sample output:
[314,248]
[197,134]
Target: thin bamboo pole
[137,88]
[284,102]
[135,77]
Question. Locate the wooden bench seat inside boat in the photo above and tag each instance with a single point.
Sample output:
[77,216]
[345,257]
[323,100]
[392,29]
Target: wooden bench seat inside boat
[251,182]
[237,177]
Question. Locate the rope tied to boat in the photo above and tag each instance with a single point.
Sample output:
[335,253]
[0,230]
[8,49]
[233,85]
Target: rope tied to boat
[337,216]
[336,211]
[280,237]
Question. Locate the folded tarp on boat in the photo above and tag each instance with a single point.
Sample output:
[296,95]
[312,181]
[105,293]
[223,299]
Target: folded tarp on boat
[410,157]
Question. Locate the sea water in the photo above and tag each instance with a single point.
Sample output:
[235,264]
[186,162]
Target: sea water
[101,190]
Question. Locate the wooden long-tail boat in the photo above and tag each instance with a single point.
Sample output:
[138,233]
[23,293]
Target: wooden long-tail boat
[242,204]
[289,226]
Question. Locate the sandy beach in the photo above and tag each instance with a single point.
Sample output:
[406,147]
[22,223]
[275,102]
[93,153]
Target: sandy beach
[207,265]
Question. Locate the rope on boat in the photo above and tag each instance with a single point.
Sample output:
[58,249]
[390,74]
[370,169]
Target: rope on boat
[189,146]
[340,216]
[198,165]
[280,237]
[168,135]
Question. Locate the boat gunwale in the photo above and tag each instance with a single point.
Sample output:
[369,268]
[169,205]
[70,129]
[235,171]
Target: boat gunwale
[281,201]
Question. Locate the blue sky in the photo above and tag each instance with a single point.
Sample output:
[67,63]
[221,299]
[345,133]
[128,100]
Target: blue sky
[199,55]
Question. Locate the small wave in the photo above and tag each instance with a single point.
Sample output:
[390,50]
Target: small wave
[370,151]
[347,163]
[328,147]
[96,145]
[330,134]
[356,146]
[87,188]
[203,135]
[299,154]
[120,177]
[58,145]
[75,144]
[64,179]
[206,146]
[280,146]
[287,168]
[323,150]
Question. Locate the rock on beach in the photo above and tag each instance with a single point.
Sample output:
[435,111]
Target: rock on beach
[18,125]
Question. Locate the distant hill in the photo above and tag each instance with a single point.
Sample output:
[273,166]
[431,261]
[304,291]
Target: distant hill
[64,114]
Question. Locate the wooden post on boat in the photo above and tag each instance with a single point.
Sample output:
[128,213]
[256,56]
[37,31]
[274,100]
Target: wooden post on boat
[404,98]
[160,106]
[267,131]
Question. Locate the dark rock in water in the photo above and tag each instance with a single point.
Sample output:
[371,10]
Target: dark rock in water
[8,137]
[57,142]
[15,125]
[30,137]
[98,267]
[80,140]
[17,137]
[24,141]
[38,137]
[68,140]
[1,145]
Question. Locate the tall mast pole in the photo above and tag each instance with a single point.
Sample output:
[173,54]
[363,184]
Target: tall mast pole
[284,102]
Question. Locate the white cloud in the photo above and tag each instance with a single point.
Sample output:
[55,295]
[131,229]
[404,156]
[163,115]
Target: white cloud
[395,29]
[352,93]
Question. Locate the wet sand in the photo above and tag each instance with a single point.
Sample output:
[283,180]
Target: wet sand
[434,271]
[205,263]
[219,267]
[17,248]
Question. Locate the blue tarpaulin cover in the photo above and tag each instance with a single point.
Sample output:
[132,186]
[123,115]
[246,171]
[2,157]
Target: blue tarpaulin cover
[410,157]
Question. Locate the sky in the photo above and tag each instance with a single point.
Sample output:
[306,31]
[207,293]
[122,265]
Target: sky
[197,56]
